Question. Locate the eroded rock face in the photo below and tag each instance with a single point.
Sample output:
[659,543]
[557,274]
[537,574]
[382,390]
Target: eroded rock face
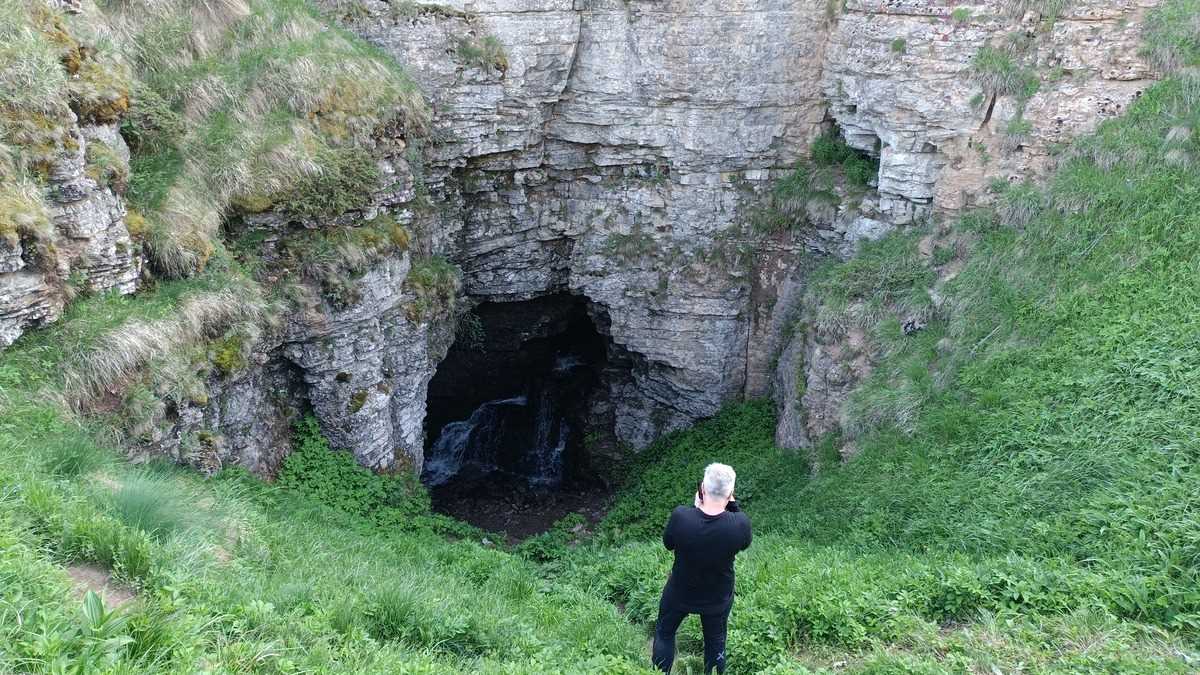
[367,368]
[615,150]
[88,246]
[607,156]
[360,364]
[902,81]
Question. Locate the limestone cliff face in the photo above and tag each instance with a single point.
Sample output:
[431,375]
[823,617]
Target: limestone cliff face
[606,153]
[905,79]
[87,246]
[615,150]
[951,96]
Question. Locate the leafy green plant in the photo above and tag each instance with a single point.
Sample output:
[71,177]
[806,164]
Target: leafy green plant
[834,168]
[553,543]
[334,478]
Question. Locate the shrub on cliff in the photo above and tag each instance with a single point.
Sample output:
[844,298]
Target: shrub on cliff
[336,479]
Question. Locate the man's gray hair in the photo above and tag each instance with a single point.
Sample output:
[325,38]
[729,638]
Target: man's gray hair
[719,480]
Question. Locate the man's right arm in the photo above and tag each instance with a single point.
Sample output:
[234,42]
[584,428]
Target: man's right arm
[669,533]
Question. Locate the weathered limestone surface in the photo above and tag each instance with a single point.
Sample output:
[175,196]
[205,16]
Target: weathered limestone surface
[615,149]
[361,368]
[900,82]
[246,420]
[608,159]
[90,243]
[367,369]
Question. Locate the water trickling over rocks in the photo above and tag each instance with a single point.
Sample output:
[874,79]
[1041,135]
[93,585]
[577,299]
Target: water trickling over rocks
[512,410]
[523,436]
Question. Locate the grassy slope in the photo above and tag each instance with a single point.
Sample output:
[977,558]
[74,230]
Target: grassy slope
[1047,481]
[234,576]
[1039,515]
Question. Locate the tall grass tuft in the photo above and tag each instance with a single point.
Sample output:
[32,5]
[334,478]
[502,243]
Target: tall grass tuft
[154,506]
[250,103]
[118,356]
[72,455]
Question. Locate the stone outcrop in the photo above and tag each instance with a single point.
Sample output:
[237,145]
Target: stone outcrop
[88,247]
[359,364]
[366,370]
[615,150]
[606,155]
[903,82]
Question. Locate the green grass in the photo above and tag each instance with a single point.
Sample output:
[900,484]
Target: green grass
[434,283]
[486,54]
[151,505]
[235,575]
[248,106]
[833,171]
[1024,497]
[998,72]
[72,456]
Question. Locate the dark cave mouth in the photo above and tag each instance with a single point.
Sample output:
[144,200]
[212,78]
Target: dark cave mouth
[510,416]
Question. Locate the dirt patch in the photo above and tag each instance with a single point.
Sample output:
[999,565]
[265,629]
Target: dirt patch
[517,512]
[106,480]
[97,579]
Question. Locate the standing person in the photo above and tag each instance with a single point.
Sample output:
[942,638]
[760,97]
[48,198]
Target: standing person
[705,540]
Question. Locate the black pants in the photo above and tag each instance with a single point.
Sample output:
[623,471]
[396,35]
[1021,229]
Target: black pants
[714,626]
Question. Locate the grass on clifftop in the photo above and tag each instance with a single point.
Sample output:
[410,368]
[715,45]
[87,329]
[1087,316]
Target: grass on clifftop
[250,104]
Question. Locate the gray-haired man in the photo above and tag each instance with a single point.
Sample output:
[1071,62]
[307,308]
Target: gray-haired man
[705,540]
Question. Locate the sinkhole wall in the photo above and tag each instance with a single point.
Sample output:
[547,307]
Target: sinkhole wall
[617,153]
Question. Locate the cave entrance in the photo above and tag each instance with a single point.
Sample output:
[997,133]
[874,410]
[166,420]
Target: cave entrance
[509,413]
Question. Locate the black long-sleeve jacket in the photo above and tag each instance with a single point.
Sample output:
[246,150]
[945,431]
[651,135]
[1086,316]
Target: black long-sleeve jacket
[702,577]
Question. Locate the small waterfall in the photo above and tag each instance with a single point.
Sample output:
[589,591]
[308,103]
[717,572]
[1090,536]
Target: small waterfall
[550,433]
[525,435]
[552,430]
[475,439]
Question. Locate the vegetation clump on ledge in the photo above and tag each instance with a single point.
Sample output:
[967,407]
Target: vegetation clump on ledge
[250,104]
[816,186]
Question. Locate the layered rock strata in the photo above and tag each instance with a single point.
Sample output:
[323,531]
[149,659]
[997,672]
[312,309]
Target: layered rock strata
[88,247]
[616,150]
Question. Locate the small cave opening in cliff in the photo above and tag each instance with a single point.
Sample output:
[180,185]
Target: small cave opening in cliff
[511,415]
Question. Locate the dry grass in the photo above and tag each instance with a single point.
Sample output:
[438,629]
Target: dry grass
[120,356]
[22,207]
[265,92]
[31,72]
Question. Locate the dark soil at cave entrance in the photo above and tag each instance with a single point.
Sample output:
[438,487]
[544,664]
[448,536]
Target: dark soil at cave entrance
[517,511]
